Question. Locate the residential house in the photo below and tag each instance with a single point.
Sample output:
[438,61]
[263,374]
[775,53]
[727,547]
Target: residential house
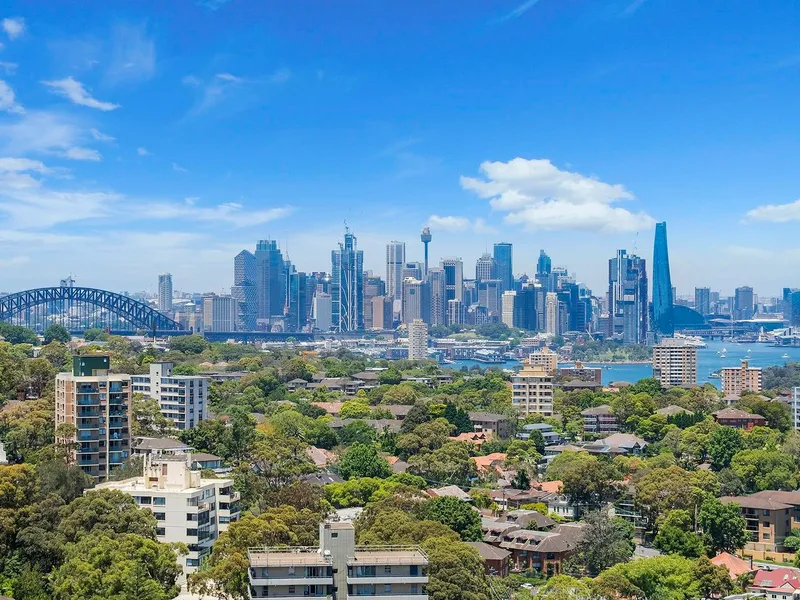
[204,460]
[543,551]
[546,429]
[671,411]
[144,446]
[397,465]
[736,566]
[332,408]
[530,519]
[495,559]
[778,584]
[449,491]
[296,384]
[616,444]
[599,420]
[491,463]
[477,439]
[738,419]
[769,521]
[379,425]
[500,425]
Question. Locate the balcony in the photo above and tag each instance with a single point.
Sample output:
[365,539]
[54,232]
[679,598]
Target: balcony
[384,596]
[296,580]
[383,578]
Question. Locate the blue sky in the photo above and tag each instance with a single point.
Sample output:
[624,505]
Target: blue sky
[143,137]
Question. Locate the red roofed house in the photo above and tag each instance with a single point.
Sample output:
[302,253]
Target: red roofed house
[738,419]
[736,566]
[490,463]
[780,584]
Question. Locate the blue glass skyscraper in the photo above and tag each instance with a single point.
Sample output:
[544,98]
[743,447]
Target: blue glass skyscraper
[663,320]
[504,267]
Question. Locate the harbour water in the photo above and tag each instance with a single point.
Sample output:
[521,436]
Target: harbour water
[709,360]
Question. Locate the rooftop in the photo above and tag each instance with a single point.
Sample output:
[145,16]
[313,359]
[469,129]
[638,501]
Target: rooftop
[286,556]
[395,555]
[603,409]
[755,502]
[735,413]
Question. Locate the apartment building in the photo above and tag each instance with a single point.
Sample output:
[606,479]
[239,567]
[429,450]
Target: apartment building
[98,404]
[544,358]
[738,380]
[188,508]
[770,516]
[532,391]
[674,363]
[599,420]
[182,398]
[338,569]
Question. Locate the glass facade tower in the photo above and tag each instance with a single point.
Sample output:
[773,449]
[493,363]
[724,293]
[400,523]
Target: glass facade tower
[504,268]
[663,319]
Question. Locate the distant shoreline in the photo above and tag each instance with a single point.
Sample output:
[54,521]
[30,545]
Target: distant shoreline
[613,362]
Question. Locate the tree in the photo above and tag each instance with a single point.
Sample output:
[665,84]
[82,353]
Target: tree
[765,470]
[127,567]
[793,540]
[676,535]
[723,444]
[95,334]
[190,344]
[107,512]
[669,577]
[724,528]
[16,334]
[665,489]
[355,409]
[456,571]
[456,514]
[274,462]
[357,432]
[65,481]
[521,480]
[392,376]
[588,481]
[564,587]
[712,580]
[186,369]
[605,541]
[459,418]
[361,460]
[449,464]
[148,420]
[56,333]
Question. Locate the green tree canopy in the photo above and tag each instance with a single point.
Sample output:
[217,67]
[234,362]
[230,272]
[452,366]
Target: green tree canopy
[456,514]
[361,460]
[724,528]
[57,333]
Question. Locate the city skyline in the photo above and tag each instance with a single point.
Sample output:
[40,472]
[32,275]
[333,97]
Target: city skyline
[287,135]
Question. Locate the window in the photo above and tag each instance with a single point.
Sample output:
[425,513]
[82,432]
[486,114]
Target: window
[290,570]
[387,569]
[159,501]
[413,588]
[291,589]
[766,524]
[335,534]
[766,513]
[160,516]
[192,562]
[414,570]
[160,531]
[191,532]
[144,499]
[387,588]
[765,536]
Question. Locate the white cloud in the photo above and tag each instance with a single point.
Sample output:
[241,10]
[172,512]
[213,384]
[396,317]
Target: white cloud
[142,151]
[75,92]
[14,261]
[229,77]
[179,169]
[229,212]
[212,5]
[133,55]
[14,27]
[15,165]
[537,195]
[8,101]
[100,136]
[451,223]
[40,131]
[77,153]
[8,68]
[191,80]
[775,213]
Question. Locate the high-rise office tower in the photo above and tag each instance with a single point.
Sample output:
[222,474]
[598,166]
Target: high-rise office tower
[456,315]
[245,290]
[551,313]
[490,294]
[165,292]
[702,301]
[416,300]
[504,266]
[509,298]
[297,301]
[270,282]
[426,238]
[220,313]
[438,291]
[322,311]
[525,303]
[485,268]
[543,268]
[382,313]
[663,309]
[373,287]
[413,270]
[98,404]
[417,340]
[347,285]
[627,297]
[794,312]
[395,261]
[454,279]
[743,303]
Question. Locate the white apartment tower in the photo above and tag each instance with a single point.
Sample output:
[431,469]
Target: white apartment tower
[339,569]
[508,307]
[189,509]
[532,391]
[165,292]
[551,313]
[674,363]
[182,398]
[417,340]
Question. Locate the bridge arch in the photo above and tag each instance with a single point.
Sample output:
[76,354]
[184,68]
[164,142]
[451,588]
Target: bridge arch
[138,314]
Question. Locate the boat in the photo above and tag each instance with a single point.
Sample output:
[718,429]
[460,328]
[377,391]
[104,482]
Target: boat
[785,355]
[714,375]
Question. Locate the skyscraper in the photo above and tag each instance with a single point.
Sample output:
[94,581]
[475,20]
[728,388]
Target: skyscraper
[347,285]
[543,268]
[245,290]
[702,301]
[743,303]
[663,319]
[426,238]
[373,287]
[509,298]
[395,261]
[417,340]
[504,267]
[490,296]
[454,279]
[486,268]
[627,297]
[165,292]
[438,291]
[551,313]
[270,282]
[416,300]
